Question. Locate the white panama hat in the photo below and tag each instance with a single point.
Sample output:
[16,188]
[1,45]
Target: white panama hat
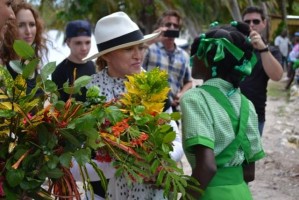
[117,31]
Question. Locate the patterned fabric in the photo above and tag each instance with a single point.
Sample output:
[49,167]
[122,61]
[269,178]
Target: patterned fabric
[136,192]
[205,122]
[118,188]
[175,63]
[110,87]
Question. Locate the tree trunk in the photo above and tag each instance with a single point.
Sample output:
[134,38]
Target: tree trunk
[250,3]
[147,17]
[284,14]
[233,7]
[267,29]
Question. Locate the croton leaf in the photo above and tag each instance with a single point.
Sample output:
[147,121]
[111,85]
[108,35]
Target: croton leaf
[6,78]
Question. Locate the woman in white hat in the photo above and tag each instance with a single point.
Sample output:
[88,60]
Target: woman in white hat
[121,51]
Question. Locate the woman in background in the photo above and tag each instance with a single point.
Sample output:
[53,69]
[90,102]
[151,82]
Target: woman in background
[27,26]
[6,14]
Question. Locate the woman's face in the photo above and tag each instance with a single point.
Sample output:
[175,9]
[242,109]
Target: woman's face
[6,15]
[126,61]
[26,25]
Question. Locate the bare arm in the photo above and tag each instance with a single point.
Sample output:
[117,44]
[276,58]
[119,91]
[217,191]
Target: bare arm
[178,96]
[248,171]
[271,66]
[205,168]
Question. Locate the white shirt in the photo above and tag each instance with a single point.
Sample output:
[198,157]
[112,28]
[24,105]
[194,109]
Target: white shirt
[283,45]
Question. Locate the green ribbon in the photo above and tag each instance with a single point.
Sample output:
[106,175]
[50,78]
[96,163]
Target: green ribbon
[295,64]
[206,45]
[247,66]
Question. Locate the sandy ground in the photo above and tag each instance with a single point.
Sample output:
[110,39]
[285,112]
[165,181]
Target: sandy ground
[277,175]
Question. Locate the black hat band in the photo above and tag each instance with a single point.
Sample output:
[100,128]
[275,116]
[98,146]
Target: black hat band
[127,38]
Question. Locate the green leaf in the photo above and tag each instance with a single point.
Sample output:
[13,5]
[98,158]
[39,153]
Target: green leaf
[16,65]
[165,128]
[47,70]
[113,114]
[82,81]
[167,184]
[52,162]
[67,134]
[7,113]
[31,184]
[14,177]
[29,69]
[54,173]
[65,159]
[165,148]
[169,137]
[84,124]
[82,156]
[45,137]
[160,178]
[154,166]
[23,49]
[10,193]
[175,116]
[50,86]
[6,79]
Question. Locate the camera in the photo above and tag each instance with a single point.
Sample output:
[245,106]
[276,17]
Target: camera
[171,33]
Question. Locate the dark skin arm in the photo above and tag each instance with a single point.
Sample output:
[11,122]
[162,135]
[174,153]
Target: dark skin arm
[248,171]
[205,168]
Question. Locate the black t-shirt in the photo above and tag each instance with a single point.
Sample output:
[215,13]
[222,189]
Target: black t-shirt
[254,87]
[64,73]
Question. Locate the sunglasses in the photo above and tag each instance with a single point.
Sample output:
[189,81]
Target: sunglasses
[254,21]
[169,24]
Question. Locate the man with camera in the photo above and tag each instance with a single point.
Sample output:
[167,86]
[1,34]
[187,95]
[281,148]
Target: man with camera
[166,55]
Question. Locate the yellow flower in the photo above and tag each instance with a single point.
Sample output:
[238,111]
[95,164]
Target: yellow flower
[149,89]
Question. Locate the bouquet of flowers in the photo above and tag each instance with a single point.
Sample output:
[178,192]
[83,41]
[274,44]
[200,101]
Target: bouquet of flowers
[41,135]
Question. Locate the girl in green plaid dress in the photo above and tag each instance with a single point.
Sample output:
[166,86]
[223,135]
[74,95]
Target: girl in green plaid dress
[220,127]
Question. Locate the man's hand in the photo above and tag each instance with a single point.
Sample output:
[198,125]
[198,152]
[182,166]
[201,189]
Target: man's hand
[256,40]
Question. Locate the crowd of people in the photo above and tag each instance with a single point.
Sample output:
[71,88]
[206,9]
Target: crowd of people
[222,119]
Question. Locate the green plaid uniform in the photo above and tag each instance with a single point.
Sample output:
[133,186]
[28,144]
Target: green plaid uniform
[206,123]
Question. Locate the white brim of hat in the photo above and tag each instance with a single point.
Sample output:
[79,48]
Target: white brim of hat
[145,39]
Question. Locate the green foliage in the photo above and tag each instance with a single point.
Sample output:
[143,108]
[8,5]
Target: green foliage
[40,136]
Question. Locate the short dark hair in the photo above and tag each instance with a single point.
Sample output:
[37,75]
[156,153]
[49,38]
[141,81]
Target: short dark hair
[254,9]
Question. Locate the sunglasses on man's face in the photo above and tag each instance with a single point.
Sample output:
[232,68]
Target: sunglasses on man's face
[254,21]
[169,24]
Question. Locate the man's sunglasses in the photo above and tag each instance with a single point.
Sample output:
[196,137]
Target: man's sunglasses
[254,21]
[168,25]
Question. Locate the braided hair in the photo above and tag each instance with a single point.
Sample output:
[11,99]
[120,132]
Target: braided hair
[226,50]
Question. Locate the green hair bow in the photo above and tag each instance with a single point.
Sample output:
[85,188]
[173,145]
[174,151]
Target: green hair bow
[206,45]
